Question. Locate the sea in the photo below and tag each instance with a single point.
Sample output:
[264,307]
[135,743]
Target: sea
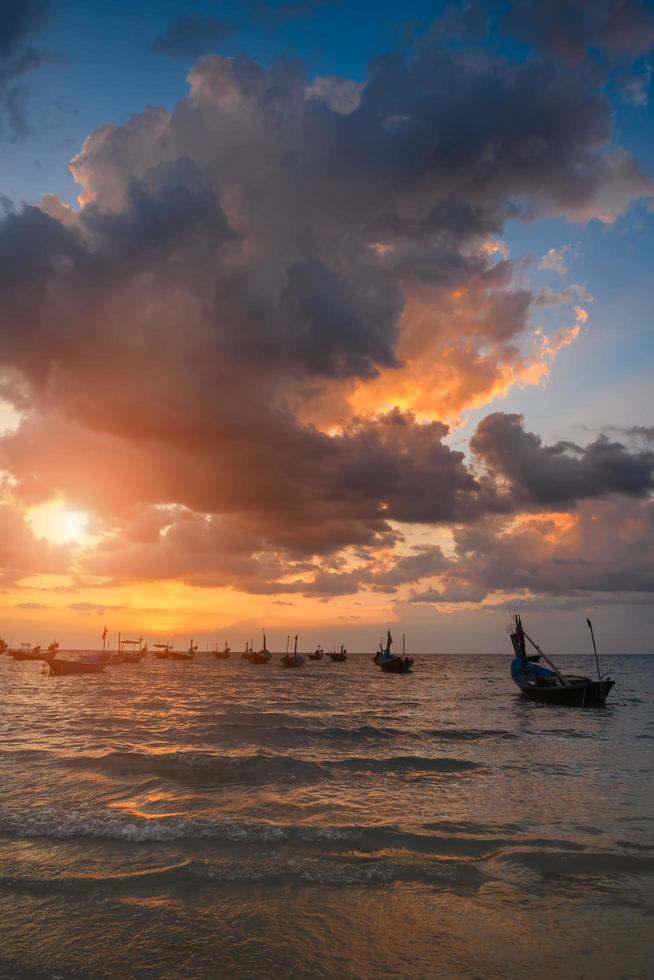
[223,819]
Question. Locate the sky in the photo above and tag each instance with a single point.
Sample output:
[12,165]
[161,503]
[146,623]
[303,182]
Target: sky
[327,317]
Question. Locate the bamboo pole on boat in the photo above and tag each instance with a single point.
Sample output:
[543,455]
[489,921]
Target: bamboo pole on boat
[590,627]
[546,658]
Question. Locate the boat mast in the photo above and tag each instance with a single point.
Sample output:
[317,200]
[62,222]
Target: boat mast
[590,627]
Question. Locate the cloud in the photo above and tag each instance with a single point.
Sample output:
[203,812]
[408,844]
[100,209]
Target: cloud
[31,605]
[190,37]
[19,20]
[563,473]
[93,608]
[554,260]
[239,352]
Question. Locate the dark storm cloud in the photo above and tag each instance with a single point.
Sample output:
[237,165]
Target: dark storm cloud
[190,37]
[572,28]
[19,19]
[256,253]
[563,473]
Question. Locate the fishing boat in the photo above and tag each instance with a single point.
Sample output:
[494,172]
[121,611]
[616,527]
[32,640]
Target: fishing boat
[223,654]
[263,656]
[548,684]
[129,651]
[317,654]
[294,659]
[4,646]
[163,651]
[248,650]
[84,665]
[185,654]
[392,663]
[28,652]
[340,657]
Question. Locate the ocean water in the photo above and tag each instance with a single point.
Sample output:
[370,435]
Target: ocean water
[220,819]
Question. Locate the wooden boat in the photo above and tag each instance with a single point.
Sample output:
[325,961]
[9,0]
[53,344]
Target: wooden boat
[4,646]
[85,665]
[538,683]
[294,659]
[28,652]
[317,654]
[163,651]
[263,656]
[392,663]
[340,657]
[223,654]
[185,654]
[129,651]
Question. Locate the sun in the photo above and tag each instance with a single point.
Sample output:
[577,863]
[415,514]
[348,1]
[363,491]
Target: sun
[59,525]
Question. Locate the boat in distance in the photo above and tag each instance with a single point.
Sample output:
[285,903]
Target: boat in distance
[185,654]
[392,663]
[263,656]
[223,654]
[340,657]
[548,684]
[294,659]
[29,652]
[163,651]
[317,654]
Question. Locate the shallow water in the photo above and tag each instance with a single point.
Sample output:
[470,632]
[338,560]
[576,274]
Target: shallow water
[218,818]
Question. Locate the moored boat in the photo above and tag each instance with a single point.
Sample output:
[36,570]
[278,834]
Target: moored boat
[392,663]
[84,665]
[4,646]
[163,651]
[223,654]
[548,684]
[317,654]
[29,652]
[129,651]
[294,659]
[185,654]
[339,657]
[87,664]
[263,656]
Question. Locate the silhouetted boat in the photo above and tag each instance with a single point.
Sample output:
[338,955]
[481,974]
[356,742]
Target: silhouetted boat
[294,659]
[339,657]
[185,654]
[223,654]
[548,684]
[129,651]
[163,651]
[263,656]
[392,663]
[83,665]
[28,652]
[317,654]
[4,646]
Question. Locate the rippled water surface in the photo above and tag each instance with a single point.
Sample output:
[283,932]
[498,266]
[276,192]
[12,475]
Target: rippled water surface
[222,819]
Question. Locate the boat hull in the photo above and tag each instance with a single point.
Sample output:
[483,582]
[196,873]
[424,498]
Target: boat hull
[183,656]
[19,655]
[592,694]
[259,658]
[221,655]
[397,665]
[64,668]
[337,658]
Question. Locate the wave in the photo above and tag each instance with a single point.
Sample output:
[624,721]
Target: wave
[209,769]
[469,734]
